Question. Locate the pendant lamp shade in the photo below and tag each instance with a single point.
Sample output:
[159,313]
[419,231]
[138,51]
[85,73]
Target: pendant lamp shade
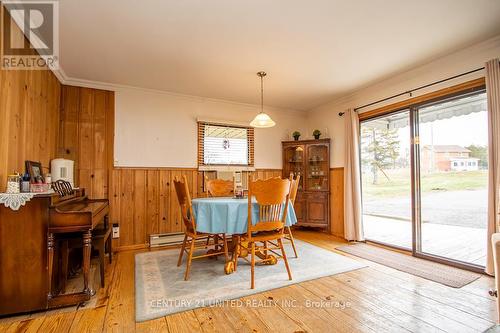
[262,120]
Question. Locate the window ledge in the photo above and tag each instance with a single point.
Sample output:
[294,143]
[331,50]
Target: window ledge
[225,168]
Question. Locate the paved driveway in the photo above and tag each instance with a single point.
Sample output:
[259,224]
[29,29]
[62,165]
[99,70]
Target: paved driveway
[460,208]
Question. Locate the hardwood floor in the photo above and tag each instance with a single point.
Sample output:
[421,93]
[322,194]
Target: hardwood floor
[372,299]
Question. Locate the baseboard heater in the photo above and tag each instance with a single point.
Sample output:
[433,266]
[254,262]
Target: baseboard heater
[167,239]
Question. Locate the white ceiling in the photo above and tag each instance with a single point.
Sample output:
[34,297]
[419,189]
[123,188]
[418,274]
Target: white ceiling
[313,51]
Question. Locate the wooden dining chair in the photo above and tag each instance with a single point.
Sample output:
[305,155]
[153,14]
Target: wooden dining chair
[272,197]
[191,236]
[219,187]
[294,186]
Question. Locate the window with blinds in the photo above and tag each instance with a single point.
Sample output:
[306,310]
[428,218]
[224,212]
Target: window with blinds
[225,145]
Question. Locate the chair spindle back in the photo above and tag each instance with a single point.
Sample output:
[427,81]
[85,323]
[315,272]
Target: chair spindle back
[272,196]
[182,190]
[294,187]
[219,187]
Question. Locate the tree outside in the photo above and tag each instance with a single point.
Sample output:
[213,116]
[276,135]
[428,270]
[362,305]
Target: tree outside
[380,151]
[480,152]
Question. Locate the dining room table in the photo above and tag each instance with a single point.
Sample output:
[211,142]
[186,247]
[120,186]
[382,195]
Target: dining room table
[229,215]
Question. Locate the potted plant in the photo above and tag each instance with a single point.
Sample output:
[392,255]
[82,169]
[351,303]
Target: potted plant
[296,135]
[316,134]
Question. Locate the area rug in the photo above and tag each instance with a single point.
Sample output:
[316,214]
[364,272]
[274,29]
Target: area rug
[447,275]
[160,288]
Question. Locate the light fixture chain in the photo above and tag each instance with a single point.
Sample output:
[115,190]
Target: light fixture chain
[262,93]
[262,120]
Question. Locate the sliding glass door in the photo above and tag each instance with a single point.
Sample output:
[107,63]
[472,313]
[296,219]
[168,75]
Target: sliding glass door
[453,173]
[424,177]
[386,179]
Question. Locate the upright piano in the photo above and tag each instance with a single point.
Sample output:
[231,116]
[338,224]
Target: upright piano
[28,239]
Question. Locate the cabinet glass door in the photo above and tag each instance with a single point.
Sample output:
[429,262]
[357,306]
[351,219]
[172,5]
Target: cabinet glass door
[317,168]
[294,162]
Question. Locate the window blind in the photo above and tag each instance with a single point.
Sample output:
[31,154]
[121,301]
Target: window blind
[225,145]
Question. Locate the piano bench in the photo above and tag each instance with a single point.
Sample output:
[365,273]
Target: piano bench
[101,239]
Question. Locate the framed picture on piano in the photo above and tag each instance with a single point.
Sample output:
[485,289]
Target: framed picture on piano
[34,169]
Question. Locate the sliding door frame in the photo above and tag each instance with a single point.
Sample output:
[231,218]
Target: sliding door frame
[406,109]
[415,184]
[417,222]
[412,106]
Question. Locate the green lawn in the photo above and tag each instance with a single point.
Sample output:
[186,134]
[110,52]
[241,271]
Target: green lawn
[398,183]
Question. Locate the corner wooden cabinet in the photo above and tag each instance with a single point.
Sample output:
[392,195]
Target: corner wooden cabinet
[311,160]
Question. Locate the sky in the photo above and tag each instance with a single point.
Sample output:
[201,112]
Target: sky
[463,130]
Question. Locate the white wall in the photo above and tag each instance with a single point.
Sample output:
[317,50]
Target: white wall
[326,116]
[154,129]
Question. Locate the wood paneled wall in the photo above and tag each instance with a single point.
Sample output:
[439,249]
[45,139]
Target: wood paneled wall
[337,202]
[86,136]
[29,119]
[143,201]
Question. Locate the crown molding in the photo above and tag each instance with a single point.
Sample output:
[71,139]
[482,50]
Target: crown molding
[71,81]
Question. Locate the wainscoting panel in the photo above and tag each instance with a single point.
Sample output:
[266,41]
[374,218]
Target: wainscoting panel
[337,202]
[143,201]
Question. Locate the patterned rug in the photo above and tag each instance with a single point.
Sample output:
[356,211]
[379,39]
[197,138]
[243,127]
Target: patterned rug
[444,274]
[160,288]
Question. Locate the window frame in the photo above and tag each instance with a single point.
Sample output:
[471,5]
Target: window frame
[201,149]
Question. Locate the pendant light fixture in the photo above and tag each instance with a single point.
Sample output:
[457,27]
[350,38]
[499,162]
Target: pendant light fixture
[262,120]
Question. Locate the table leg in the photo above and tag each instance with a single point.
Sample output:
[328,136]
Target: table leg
[264,254]
[50,248]
[87,245]
[236,250]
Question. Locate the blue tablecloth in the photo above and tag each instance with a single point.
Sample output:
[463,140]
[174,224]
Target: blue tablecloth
[228,215]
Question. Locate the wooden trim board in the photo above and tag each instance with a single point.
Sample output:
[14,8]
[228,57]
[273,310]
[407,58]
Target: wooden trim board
[459,88]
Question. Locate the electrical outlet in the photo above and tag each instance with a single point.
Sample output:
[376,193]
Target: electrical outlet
[116,230]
